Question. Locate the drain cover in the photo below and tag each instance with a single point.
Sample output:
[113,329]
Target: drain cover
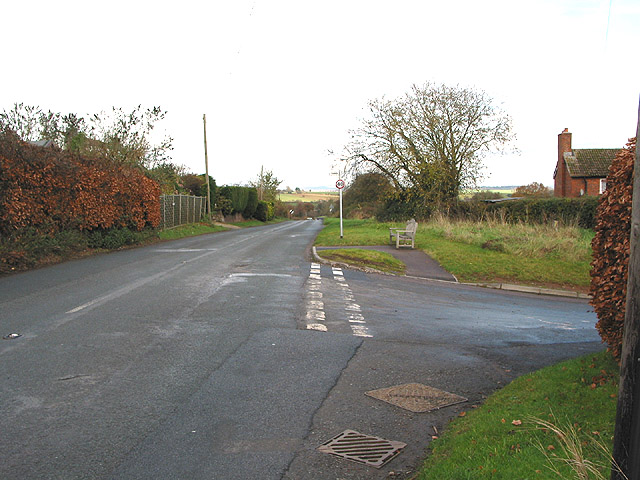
[366,449]
[416,397]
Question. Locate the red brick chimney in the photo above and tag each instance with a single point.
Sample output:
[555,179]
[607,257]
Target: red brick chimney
[560,181]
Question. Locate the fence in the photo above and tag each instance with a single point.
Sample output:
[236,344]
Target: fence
[176,210]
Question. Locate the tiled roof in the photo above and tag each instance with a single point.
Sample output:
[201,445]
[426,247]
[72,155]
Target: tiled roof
[590,162]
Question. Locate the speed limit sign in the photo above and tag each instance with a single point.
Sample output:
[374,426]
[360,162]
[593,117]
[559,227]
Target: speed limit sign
[340,184]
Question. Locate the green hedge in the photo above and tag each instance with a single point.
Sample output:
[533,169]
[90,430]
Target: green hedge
[244,200]
[580,211]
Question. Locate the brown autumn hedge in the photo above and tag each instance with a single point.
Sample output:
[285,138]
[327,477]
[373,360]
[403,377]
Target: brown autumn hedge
[49,190]
[611,250]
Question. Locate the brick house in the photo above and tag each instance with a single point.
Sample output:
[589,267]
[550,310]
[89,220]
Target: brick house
[581,171]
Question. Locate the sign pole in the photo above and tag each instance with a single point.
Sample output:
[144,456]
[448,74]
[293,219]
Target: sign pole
[340,186]
[206,166]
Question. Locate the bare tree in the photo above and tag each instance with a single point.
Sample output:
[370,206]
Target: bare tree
[431,141]
[127,137]
[24,120]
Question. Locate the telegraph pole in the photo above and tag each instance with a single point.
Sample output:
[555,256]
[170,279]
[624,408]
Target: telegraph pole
[206,166]
[626,442]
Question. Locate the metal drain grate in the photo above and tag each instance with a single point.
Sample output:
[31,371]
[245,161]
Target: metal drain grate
[366,449]
[416,397]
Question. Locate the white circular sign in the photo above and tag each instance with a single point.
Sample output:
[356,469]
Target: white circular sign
[340,184]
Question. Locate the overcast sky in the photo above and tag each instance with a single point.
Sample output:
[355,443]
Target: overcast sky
[282,81]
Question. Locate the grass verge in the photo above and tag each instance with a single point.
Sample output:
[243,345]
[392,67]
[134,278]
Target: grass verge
[365,258]
[503,440]
[190,230]
[486,252]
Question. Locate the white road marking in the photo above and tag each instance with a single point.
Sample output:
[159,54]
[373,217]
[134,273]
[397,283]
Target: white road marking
[280,275]
[315,306]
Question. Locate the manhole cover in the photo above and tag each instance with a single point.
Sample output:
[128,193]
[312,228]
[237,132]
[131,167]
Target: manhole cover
[416,397]
[366,449]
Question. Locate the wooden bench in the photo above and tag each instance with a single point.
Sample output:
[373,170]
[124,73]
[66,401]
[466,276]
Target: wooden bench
[404,237]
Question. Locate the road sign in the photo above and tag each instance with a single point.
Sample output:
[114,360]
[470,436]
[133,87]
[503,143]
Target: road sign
[340,184]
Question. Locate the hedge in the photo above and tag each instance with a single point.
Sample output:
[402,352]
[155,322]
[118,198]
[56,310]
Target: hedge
[580,211]
[243,200]
[53,201]
[51,190]
[611,247]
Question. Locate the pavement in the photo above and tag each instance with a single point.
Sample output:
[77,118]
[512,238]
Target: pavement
[421,265]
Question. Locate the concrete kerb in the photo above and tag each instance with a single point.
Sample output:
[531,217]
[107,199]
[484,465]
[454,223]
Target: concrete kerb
[533,290]
[495,286]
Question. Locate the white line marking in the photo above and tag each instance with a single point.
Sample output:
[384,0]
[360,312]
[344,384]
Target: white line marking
[278,275]
[360,331]
[317,326]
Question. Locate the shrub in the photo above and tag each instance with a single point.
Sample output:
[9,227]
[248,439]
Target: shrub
[611,250]
[265,211]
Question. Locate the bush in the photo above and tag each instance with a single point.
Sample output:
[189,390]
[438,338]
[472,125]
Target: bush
[265,211]
[28,248]
[611,247]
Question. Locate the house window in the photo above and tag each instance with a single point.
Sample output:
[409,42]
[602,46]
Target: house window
[603,185]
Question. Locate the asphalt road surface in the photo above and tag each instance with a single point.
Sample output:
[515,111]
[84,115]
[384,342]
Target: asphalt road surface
[234,356]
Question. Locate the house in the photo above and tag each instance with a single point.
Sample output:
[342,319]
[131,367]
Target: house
[581,171]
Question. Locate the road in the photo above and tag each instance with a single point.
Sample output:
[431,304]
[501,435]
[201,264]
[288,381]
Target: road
[234,356]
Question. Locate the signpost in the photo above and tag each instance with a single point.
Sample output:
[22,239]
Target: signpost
[340,186]
[206,167]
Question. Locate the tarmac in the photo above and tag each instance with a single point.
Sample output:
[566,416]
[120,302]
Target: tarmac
[420,265]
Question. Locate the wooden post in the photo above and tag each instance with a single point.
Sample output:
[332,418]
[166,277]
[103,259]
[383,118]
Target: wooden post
[626,442]
[206,166]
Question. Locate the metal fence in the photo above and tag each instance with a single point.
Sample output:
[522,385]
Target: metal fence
[176,210]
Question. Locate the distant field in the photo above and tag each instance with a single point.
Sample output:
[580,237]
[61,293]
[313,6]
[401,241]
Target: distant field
[504,191]
[308,196]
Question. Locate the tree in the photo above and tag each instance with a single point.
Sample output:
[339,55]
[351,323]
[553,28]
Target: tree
[167,175]
[126,138]
[267,185]
[24,120]
[534,189]
[366,194]
[429,143]
[193,183]
[122,137]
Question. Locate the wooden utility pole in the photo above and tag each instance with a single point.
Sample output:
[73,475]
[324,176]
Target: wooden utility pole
[206,166]
[626,442]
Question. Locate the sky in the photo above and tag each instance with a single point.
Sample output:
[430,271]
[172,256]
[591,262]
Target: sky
[282,82]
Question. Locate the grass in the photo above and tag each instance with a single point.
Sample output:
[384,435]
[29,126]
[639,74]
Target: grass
[504,439]
[190,230]
[257,223]
[365,258]
[474,252]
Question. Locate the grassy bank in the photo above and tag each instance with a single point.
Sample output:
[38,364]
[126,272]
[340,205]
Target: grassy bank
[365,258]
[487,252]
[504,438]
[190,230]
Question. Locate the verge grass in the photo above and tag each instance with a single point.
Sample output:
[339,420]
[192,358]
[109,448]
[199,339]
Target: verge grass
[490,251]
[189,230]
[365,258]
[504,439]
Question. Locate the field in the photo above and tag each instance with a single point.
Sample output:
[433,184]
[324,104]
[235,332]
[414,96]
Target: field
[308,196]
